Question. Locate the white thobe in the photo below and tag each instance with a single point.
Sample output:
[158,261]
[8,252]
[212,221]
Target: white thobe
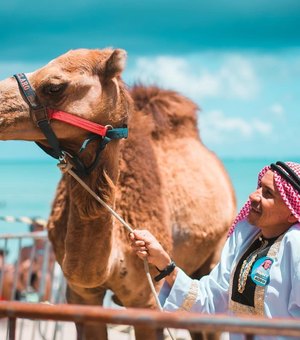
[211,293]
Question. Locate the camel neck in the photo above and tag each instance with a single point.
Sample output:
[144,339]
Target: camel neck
[89,233]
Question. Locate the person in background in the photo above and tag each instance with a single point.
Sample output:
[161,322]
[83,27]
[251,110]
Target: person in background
[37,225]
[6,277]
[265,233]
[31,262]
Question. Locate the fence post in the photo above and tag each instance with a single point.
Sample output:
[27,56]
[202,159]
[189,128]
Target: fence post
[12,328]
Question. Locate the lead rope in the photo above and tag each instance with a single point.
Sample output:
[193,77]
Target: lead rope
[67,168]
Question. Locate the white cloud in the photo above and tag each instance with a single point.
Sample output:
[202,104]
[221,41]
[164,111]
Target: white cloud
[277,110]
[261,127]
[234,78]
[216,126]
[238,77]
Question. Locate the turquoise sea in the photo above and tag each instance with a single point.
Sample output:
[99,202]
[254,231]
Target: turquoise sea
[27,188]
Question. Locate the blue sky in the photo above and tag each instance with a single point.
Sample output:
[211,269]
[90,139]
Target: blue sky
[239,61]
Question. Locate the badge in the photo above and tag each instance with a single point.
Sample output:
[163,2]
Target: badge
[260,273]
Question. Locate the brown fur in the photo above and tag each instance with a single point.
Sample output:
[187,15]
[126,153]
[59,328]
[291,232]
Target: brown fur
[161,178]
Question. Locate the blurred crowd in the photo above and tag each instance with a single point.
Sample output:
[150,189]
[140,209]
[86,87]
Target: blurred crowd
[29,278]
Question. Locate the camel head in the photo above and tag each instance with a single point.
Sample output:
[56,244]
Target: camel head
[84,83]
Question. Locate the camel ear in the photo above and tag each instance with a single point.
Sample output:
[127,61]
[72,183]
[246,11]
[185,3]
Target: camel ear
[115,64]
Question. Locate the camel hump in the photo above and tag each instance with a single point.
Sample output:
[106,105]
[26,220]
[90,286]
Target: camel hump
[170,111]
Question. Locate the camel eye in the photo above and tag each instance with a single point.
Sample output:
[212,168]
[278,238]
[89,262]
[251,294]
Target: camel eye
[54,89]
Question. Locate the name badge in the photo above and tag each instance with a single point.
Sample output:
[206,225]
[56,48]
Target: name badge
[260,273]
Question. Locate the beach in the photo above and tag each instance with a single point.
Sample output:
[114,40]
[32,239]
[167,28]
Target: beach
[27,187]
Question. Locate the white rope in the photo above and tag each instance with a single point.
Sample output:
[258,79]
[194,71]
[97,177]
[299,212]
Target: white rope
[67,167]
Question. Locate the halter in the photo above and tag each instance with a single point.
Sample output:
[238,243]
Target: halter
[42,116]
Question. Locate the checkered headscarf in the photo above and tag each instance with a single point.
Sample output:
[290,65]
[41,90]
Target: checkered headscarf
[288,191]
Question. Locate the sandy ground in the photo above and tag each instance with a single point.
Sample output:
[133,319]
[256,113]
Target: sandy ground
[49,330]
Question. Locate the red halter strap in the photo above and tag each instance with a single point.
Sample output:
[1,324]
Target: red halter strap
[77,121]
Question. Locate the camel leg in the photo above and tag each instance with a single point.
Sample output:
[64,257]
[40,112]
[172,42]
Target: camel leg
[205,336]
[142,332]
[211,261]
[148,334]
[88,296]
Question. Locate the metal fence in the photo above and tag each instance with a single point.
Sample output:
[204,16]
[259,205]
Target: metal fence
[29,273]
[34,276]
[150,319]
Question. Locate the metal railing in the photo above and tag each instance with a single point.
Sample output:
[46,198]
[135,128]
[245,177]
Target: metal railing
[29,273]
[34,274]
[62,314]
[149,319]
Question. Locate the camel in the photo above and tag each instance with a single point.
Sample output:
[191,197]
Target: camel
[160,178]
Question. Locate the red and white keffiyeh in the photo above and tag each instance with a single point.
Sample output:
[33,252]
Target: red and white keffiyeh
[289,194]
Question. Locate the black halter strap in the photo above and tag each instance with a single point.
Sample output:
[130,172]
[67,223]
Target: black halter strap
[39,114]
[287,173]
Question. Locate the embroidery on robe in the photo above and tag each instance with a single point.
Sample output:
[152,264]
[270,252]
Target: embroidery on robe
[190,298]
[259,293]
